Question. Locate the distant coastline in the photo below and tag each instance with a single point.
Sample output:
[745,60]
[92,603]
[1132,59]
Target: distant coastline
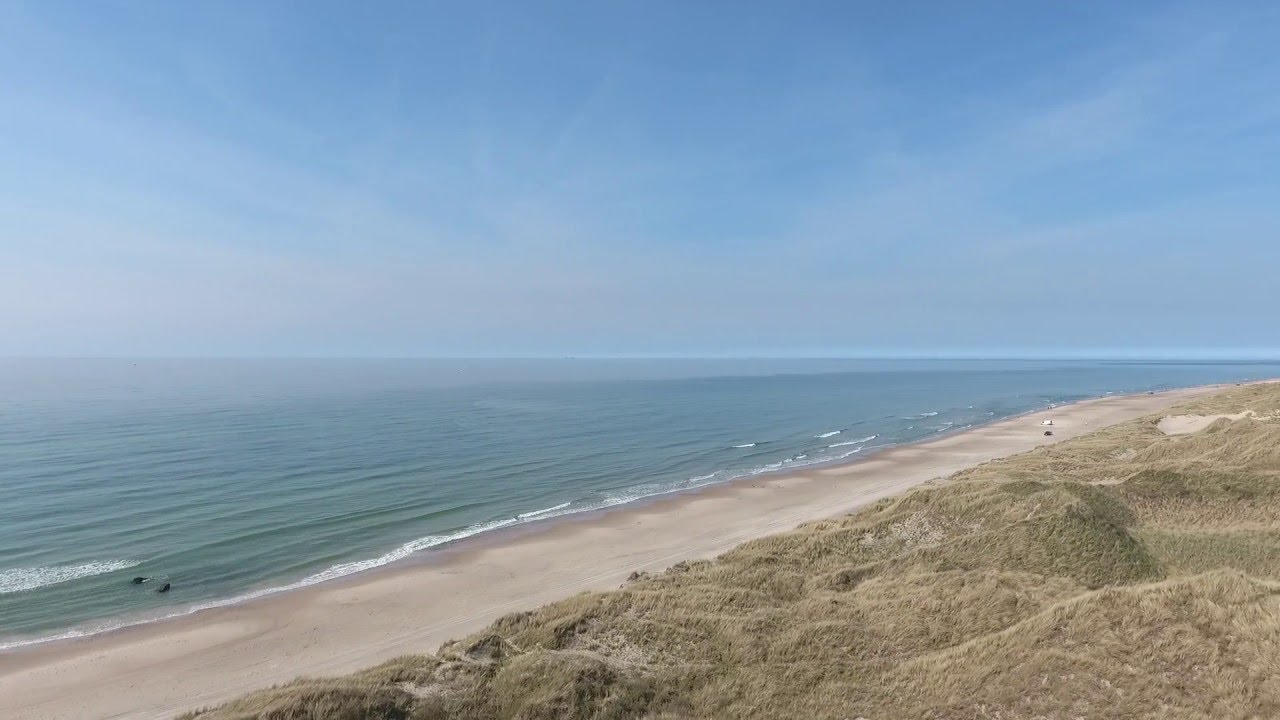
[497,531]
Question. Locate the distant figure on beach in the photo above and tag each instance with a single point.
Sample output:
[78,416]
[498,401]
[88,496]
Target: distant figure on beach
[164,588]
[1048,432]
[140,580]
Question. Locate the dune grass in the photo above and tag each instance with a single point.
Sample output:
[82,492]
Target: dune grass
[1125,573]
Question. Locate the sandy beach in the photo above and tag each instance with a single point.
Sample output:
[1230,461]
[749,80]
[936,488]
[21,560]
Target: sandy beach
[160,669]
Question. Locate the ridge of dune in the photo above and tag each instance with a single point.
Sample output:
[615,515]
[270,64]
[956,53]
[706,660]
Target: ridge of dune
[1187,424]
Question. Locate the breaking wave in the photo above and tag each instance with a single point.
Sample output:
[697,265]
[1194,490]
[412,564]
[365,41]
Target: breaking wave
[544,511]
[17,580]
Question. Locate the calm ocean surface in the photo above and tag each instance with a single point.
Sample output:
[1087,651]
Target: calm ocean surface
[231,479]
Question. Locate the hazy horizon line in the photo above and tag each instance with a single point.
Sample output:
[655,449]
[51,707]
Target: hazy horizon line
[1251,355]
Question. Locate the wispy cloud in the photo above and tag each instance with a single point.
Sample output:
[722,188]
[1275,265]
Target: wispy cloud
[804,210]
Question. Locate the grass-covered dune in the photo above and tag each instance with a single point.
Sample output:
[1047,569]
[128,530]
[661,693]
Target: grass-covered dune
[1125,573]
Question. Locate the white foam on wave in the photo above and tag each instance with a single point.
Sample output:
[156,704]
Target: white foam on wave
[84,632]
[15,580]
[805,460]
[430,541]
[868,438]
[829,434]
[344,569]
[543,511]
[404,551]
[844,455]
[332,573]
[655,490]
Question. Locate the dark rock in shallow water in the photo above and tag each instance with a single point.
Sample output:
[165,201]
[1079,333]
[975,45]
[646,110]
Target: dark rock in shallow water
[163,588]
[140,580]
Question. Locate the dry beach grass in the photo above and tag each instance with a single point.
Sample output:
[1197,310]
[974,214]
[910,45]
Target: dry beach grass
[1124,573]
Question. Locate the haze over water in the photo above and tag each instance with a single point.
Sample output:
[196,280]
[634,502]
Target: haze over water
[233,478]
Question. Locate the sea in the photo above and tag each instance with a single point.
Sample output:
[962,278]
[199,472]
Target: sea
[234,479]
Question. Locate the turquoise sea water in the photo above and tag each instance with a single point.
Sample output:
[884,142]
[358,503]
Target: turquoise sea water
[230,479]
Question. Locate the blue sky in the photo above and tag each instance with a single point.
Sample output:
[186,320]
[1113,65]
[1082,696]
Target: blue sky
[611,178]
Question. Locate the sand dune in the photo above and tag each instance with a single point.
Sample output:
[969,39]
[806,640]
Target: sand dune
[1187,424]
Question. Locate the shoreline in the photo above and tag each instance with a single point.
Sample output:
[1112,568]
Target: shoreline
[121,623]
[160,667]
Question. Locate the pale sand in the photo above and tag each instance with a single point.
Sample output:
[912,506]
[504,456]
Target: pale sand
[157,670]
[1187,424]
